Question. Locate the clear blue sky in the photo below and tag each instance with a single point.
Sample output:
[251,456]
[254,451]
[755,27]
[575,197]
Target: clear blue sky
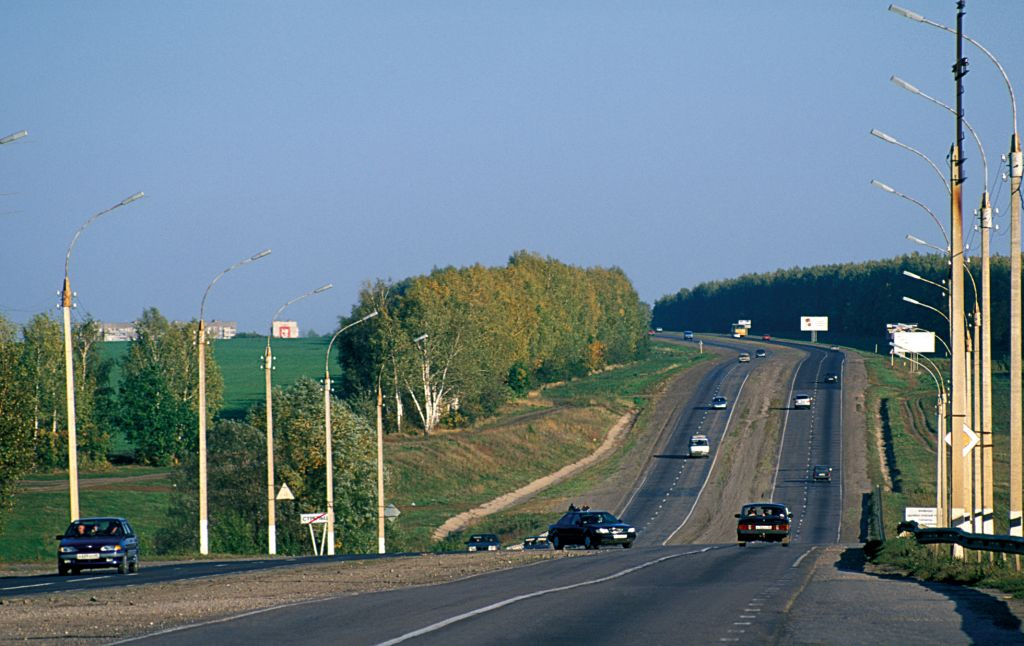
[680,141]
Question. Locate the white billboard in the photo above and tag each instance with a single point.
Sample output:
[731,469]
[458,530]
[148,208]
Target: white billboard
[916,342]
[743,322]
[814,324]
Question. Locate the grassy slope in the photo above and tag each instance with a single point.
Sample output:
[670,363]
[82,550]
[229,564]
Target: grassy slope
[430,478]
[909,429]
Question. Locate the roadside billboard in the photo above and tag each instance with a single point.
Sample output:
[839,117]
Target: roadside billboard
[814,324]
[915,342]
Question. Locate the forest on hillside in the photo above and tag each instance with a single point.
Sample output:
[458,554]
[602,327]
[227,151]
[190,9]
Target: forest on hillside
[859,299]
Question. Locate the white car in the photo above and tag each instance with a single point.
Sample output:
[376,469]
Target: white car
[744,357]
[719,402]
[699,446]
[802,401]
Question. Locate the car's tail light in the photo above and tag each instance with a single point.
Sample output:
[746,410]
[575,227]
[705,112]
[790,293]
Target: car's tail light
[784,527]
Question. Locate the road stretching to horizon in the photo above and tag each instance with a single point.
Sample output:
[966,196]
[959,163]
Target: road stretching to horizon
[815,591]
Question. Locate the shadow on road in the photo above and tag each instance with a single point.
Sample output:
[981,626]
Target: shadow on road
[984,618]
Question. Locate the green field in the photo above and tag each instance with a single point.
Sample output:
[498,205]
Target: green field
[241,364]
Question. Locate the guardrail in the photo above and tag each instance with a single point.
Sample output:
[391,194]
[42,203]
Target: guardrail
[950,535]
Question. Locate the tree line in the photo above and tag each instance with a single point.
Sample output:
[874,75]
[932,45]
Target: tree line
[450,347]
[858,298]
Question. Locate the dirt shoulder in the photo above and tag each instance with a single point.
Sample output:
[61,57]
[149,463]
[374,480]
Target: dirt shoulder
[106,615]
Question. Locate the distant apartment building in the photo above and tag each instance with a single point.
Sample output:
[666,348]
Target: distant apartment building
[221,329]
[286,329]
[118,331]
[126,331]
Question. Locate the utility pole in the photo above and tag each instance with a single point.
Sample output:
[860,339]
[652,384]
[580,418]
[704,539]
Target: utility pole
[1016,454]
[985,431]
[960,474]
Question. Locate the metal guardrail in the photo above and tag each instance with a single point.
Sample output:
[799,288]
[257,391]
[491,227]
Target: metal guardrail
[950,535]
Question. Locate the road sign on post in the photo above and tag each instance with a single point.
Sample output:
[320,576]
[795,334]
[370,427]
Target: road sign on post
[316,518]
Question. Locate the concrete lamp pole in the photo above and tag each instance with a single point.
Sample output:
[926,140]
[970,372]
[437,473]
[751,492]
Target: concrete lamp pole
[204,540]
[268,366]
[69,371]
[1016,163]
[328,441]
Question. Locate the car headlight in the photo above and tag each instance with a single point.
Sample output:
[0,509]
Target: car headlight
[64,549]
[602,530]
[110,548]
[631,530]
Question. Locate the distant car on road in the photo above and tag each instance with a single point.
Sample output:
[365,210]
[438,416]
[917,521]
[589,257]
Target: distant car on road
[591,529]
[766,337]
[96,543]
[831,378]
[744,357]
[834,348]
[687,335]
[760,353]
[821,472]
[536,543]
[483,543]
[802,401]
[763,521]
[699,446]
[718,402]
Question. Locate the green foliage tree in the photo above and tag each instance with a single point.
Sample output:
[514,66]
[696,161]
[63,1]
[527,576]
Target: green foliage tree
[490,333]
[16,406]
[43,356]
[238,487]
[158,402]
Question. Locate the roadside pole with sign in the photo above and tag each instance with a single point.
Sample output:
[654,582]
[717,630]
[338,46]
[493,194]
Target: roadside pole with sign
[316,518]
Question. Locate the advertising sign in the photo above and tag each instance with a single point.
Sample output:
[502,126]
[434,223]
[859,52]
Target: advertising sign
[925,516]
[814,324]
[916,342]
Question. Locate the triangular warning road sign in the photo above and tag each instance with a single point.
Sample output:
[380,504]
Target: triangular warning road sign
[285,493]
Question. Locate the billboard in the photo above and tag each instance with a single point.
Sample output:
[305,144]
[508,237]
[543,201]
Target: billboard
[916,342]
[814,324]
[743,322]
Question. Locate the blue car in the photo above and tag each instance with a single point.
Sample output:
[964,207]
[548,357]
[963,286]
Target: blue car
[97,543]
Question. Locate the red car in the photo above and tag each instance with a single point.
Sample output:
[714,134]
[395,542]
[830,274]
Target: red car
[766,337]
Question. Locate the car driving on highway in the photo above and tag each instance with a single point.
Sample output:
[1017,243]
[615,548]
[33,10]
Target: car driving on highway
[483,543]
[801,400]
[763,521]
[744,357]
[719,402]
[760,353]
[831,378]
[821,472]
[591,529]
[699,446]
[98,543]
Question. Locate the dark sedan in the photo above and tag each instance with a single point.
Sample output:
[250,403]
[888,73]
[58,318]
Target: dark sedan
[763,521]
[483,543]
[591,529]
[96,543]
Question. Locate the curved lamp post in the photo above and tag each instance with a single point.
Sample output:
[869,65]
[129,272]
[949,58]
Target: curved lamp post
[892,140]
[69,372]
[204,540]
[328,442]
[1016,160]
[889,189]
[268,365]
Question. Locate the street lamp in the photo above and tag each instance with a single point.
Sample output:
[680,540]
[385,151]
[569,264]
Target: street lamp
[204,541]
[1016,161]
[941,492]
[328,442]
[892,140]
[16,136]
[927,306]
[889,189]
[69,373]
[268,365]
